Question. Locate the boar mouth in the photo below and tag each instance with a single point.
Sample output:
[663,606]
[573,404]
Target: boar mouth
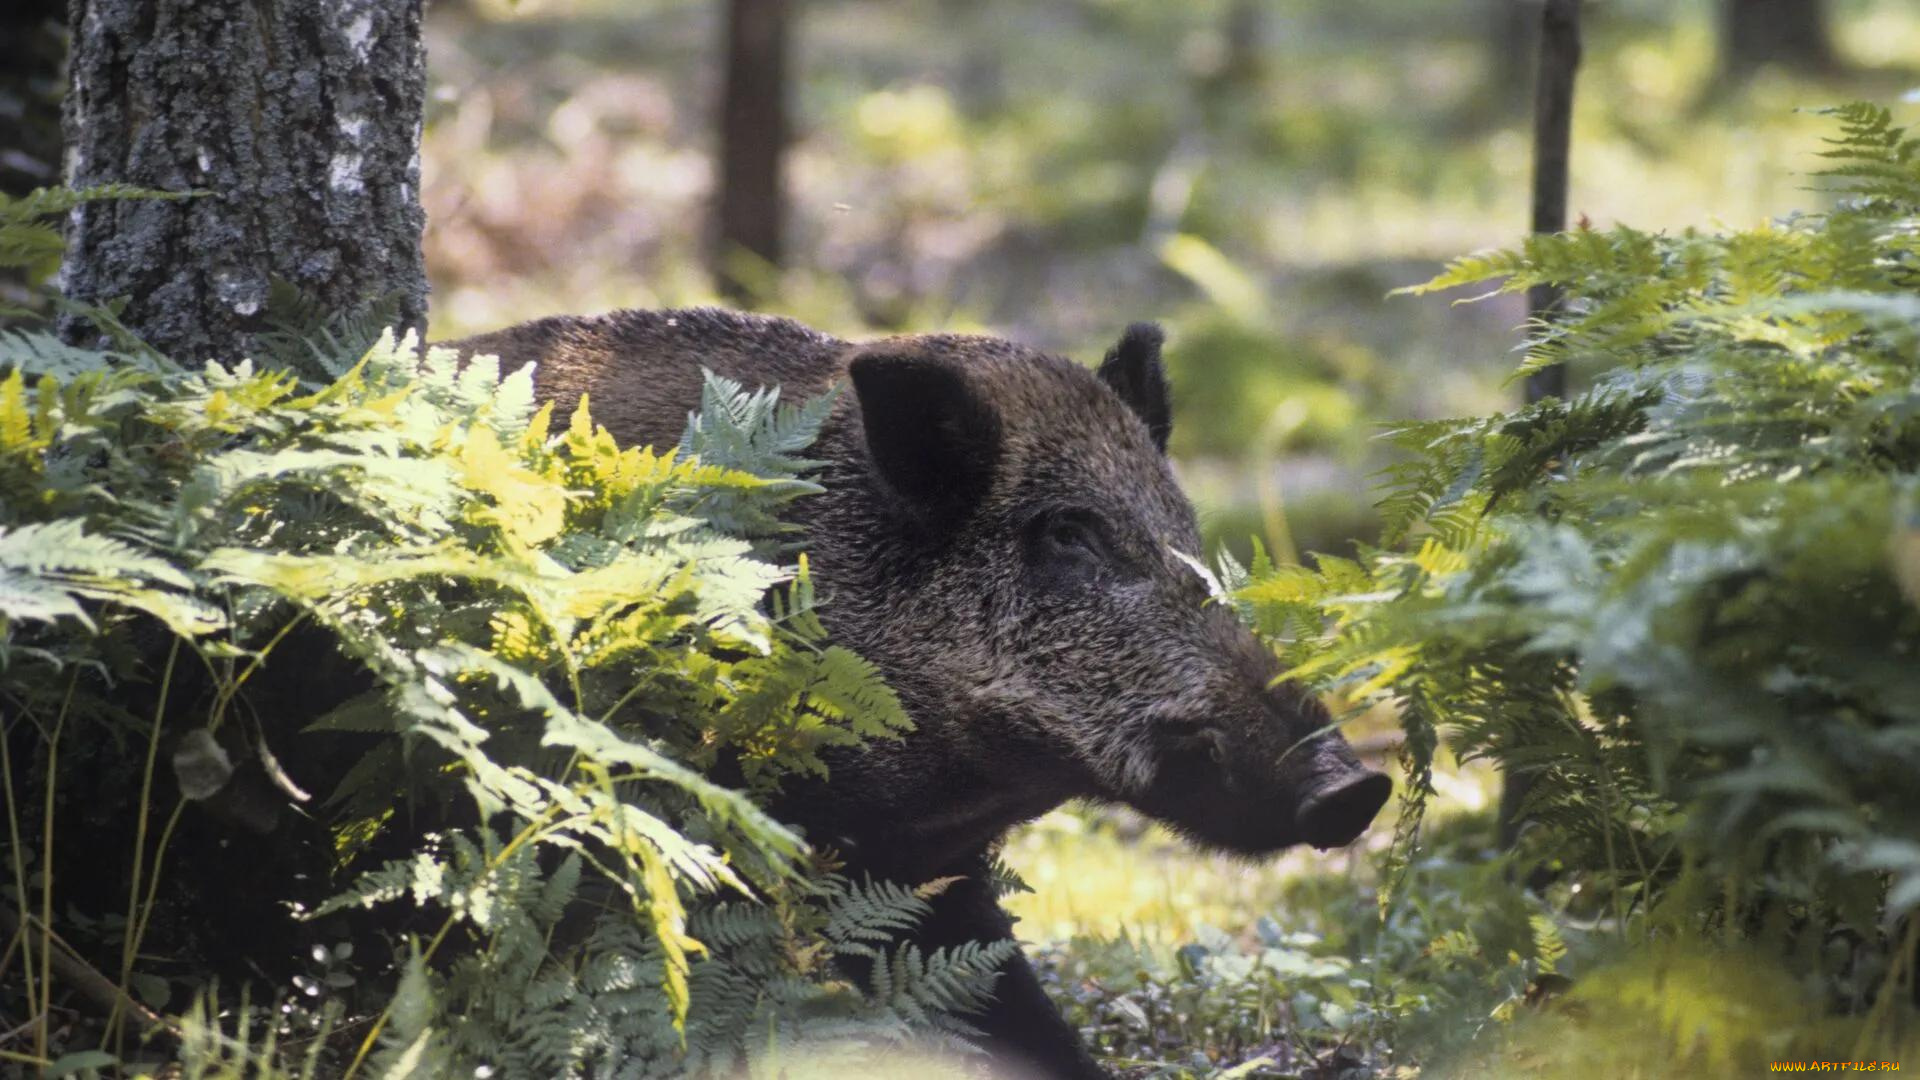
[1338,812]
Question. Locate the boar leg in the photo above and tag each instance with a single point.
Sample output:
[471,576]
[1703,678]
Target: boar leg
[1023,1029]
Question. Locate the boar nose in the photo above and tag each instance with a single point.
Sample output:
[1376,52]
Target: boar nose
[1341,804]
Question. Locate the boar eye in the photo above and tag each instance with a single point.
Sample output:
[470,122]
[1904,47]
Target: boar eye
[1069,544]
[1068,534]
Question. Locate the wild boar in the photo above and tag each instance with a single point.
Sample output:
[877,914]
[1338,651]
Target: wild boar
[1001,534]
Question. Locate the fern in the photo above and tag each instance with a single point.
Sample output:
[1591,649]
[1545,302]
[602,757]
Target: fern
[561,634]
[33,352]
[1668,599]
[321,344]
[1874,158]
[28,242]
[752,434]
[47,570]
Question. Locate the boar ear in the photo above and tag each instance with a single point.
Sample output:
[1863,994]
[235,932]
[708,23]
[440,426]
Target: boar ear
[933,437]
[1132,369]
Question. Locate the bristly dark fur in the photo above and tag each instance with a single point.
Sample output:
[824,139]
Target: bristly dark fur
[1001,534]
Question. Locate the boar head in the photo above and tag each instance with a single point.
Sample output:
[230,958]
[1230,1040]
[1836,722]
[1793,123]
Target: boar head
[1018,565]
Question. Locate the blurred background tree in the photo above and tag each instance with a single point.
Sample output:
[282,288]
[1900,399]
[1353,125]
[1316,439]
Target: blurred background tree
[750,192]
[1755,33]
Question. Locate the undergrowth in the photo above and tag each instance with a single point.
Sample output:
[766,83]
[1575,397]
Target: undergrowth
[438,730]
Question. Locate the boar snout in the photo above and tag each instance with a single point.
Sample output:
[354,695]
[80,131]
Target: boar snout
[1339,797]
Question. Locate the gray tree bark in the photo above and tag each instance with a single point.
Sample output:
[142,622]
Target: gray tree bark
[301,122]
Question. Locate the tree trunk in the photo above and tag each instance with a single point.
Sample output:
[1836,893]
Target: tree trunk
[1552,159]
[1241,67]
[1792,33]
[980,84]
[300,122]
[750,207]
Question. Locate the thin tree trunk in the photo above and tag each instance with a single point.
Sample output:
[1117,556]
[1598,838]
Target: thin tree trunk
[750,207]
[1552,151]
[981,83]
[300,122]
[1236,77]
[1792,33]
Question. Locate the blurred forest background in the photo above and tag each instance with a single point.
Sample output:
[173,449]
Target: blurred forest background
[1258,175]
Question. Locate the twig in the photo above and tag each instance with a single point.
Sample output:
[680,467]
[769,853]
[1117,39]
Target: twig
[131,942]
[47,863]
[77,973]
[6,957]
[21,1029]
